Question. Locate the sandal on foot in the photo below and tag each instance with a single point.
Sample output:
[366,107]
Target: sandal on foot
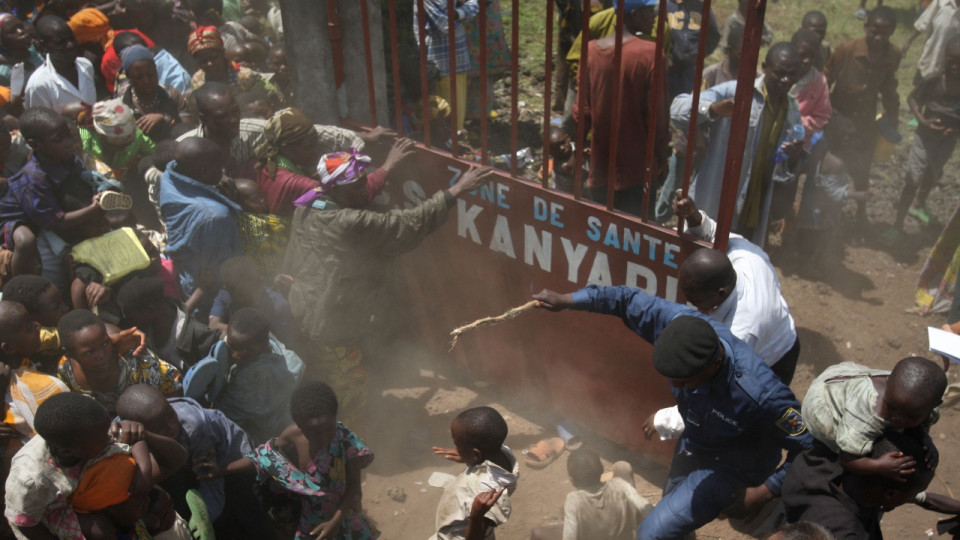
[112,200]
[922,215]
[544,452]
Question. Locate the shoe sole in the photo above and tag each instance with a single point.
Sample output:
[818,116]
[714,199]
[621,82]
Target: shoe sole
[111,200]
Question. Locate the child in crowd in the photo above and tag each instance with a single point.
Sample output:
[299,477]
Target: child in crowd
[936,104]
[264,235]
[28,387]
[478,500]
[811,90]
[564,160]
[94,365]
[74,432]
[259,380]
[114,138]
[212,441]
[243,288]
[857,86]
[826,188]
[104,498]
[727,70]
[849,406]
[175,336]
[318,461]
[816,22]
[612,510]
[255,104]
[45,305]
[47,193]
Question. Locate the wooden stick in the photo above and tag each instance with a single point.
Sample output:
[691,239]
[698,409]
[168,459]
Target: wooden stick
[509,314]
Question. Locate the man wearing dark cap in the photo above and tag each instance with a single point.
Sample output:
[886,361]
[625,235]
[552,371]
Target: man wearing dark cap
[738,416]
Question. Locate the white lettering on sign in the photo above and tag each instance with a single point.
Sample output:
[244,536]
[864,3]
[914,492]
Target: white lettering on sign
[537,239]
[502,241]
[467,220]
[537,246]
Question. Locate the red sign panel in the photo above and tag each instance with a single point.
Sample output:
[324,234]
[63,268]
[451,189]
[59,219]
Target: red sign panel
[507,241]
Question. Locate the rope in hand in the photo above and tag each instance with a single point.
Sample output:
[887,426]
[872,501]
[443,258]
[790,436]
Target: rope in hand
[509,314]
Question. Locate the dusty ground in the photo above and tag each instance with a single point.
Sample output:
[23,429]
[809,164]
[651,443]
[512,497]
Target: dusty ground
[854,312]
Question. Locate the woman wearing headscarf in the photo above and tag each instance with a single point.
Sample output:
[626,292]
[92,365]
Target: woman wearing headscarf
[17,54]
[156,108]
[289,147]
[340,258]
[94,35]
[206,47]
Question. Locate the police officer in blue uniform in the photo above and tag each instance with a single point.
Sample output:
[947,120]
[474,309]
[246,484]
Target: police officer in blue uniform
[738,416]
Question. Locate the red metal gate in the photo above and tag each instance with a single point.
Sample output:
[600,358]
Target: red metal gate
[515,237]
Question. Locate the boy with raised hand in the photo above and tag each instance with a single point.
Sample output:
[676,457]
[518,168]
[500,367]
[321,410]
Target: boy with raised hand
[48,192]
[75,431]
[478,500]
[212,441]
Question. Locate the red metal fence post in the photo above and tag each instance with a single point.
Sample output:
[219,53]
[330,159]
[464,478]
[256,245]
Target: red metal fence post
[484,98]
[695,105]
[743,102]
[368,57]
[581,127]
[659,71]
[548,86]
[514,84]
[395,60]
[617,107]
[454,105]
[424,81]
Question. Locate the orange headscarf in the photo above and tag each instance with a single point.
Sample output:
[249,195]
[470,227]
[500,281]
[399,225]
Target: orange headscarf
[104,484]
[91,25]
[204,37]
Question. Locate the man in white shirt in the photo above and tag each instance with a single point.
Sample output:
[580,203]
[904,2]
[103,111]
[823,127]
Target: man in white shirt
[741,289]
[64,76]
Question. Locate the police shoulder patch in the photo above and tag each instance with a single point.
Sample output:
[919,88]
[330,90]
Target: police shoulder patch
[792,423]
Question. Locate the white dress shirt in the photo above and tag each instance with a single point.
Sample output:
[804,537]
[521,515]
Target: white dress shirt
[47,88]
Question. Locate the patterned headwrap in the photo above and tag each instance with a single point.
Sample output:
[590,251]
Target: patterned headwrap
[341,168]
[288,126]
[336,169]
[114,120]
[104,484]
[91,25]
[4,17]
[203,38]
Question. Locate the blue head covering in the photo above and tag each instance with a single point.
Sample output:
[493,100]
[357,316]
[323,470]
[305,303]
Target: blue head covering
[133,54]
[631,5]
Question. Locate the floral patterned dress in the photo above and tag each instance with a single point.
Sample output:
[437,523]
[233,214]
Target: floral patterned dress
[321,487]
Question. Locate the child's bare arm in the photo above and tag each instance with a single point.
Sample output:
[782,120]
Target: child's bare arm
[940,503]
[170,456]
[349,502]
[482,503]
[79,217]
[893,465]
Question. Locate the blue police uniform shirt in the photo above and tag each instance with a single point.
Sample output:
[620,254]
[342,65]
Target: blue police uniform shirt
[743,418]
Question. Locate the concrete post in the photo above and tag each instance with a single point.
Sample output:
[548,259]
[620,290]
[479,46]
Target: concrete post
[354,59]
[310,61]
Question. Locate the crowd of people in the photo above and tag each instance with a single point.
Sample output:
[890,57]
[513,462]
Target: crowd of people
[190,272]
